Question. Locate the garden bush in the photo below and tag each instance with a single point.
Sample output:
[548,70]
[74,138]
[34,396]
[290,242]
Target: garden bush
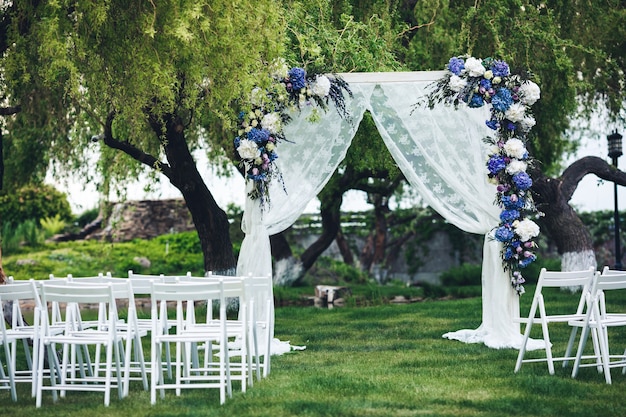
[34,202]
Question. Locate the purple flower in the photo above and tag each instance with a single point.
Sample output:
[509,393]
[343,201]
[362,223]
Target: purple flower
[500,68]
[522,181]
[496,164]
[504,234]
[297,77]
[508,216]
[456,65]
[502,100]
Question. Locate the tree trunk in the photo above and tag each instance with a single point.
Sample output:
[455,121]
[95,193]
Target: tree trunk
[344,248]
[561,223]
[331,220]
[280,247]
[210,221]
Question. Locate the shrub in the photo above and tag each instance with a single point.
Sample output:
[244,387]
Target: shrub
[52,225]
[466,274]
[34,202]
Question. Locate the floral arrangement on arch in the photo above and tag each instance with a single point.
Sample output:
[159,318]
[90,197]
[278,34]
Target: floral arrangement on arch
[489,82]
[261,126]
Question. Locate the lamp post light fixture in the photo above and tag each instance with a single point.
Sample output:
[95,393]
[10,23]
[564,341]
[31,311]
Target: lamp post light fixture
[615,151]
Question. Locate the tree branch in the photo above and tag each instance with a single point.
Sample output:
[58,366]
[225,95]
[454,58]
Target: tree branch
[131,150]
[589,165]
[7,111]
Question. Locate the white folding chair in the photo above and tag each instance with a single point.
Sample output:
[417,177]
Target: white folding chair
[560,280]
[142,286]
[598,320]
[240,349]
[189,333]
[76,374]
[11,295]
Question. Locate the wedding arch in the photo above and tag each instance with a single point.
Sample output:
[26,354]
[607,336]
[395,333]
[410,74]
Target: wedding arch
[440,151]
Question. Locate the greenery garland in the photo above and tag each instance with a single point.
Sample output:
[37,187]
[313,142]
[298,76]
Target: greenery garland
[261,127]
[479,82]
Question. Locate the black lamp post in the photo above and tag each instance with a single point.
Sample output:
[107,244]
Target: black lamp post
[615,151]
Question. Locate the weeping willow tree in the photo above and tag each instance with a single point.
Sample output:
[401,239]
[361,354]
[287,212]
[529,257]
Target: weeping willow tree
[141,84]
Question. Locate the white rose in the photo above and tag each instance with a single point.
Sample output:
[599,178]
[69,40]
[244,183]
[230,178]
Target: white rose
[515,112]
[457,83]
[321,86]
[248,149]
[526,229]
[516,166]
[272,122]
[515,148]
[474,67]
[529,93]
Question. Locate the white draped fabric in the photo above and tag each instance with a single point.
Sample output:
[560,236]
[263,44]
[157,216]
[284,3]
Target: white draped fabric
[441,153]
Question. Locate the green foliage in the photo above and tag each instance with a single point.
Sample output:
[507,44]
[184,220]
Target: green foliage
[329,271]
[86,217]
[466,274]
[34,202]
[14,238]
[170,254]
[52,225]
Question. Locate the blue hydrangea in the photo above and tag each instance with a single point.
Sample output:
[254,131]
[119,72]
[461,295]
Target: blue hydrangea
[456,65]
[502,100]
[492,124]
[511,205]
[258,136]
[509,252]
[496,164]
[504,234]
[523,263]
[476,101]
[511,126]
[500,69]
[237,142]
[522,181]
[485,83]
[508,216]
[297,77]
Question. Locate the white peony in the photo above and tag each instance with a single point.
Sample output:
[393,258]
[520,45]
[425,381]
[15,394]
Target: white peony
[272,122]
[516,166]
[515,148]
[529,93]
[526,229]
[457,83]
[321,86]
[515,112]
[527,123]
[474,67]
[248,149]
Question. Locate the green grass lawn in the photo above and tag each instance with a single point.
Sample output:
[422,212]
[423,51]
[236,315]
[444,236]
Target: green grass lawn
[385,360]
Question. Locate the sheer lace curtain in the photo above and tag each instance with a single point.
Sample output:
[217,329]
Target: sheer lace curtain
[441,153]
